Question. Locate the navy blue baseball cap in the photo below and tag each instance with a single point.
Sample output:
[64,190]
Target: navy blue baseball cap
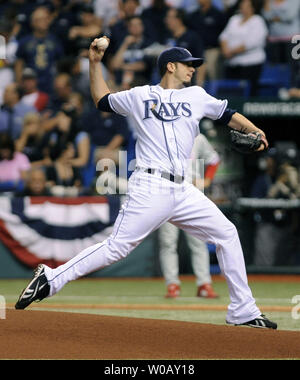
[177,54]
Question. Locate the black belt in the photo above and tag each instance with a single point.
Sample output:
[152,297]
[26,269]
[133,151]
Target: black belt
[166,175]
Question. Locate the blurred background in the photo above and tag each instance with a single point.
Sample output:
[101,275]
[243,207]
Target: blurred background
[52,136]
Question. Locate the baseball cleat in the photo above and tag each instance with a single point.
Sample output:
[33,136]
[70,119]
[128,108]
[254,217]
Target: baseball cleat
[206,291]
[37,289]
[260,322]
[173,291]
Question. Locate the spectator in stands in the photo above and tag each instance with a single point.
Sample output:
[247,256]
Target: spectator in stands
[279,178]
[39,50]
[129,8]
[18,13]
[35,184]
[62,91]
[231,7]
[111,136]
[65,144]
[287,184]
[208,21]
[108,133]
[243,44]
[13,165]
[130,62]
[107,12]
[13,111]
[181,36]
[118,31]
[44,148]
[31,95]
[61,94]
[63,17]
[79,137]
[275,227]
[284,23]
[63,172]
[80,36]
[31,140]
[153,18]
[78,69]
[7,55]
[266,178]
[64,132]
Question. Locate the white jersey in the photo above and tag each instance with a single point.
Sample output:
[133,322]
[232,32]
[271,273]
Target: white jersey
[165,136]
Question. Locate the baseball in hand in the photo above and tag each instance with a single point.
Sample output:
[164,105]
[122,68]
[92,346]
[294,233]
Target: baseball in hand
[102,43]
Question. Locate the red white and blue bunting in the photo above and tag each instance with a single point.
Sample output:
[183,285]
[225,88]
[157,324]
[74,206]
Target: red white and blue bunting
[52,230]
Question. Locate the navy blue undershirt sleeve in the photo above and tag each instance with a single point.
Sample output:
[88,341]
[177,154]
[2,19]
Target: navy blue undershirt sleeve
[226,117]
[103,104]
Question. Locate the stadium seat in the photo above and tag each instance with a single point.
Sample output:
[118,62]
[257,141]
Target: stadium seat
[11,186]
[223,88]
[88,173]
[274,77]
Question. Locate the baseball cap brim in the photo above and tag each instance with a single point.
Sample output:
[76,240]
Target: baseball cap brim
[195,61]
[28,73]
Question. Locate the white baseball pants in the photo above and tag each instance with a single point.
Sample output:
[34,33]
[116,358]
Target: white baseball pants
[168,236]
[152,201]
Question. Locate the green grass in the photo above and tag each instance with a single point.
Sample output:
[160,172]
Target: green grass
[151,292]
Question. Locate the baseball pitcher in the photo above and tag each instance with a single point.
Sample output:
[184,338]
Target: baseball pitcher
[167,117]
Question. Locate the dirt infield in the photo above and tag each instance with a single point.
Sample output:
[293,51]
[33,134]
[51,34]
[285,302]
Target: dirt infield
[36,334]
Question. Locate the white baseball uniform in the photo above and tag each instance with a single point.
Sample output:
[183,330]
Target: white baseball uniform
[168,234]
[165,138]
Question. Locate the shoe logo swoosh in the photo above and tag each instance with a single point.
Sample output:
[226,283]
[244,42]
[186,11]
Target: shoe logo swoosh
[28,293]
[31,292]
[36,289]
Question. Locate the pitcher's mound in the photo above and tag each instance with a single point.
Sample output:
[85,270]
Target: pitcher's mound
[51,335]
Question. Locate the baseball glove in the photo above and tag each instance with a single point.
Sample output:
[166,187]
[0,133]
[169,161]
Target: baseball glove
[246,143]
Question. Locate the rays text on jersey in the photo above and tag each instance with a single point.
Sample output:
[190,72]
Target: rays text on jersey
[168,111]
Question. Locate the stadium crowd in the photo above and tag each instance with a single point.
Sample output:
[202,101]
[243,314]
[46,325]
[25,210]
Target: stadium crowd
[51,135]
